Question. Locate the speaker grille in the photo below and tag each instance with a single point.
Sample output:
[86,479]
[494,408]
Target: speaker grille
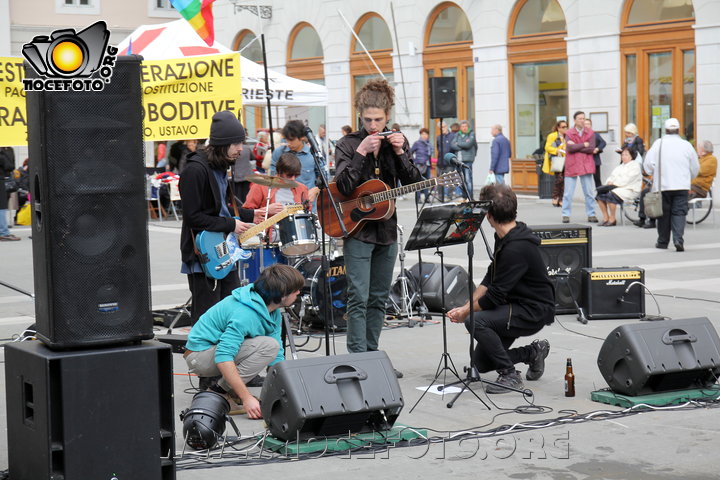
[90,238]
[443,101]
[565,250]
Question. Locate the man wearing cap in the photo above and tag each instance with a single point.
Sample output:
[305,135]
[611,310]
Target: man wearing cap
[205,194]
[675,161]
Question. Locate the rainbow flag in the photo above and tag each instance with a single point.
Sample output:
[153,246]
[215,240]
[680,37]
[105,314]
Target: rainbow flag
[199,14]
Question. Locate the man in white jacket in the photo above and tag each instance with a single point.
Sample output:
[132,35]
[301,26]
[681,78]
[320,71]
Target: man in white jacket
[675,162]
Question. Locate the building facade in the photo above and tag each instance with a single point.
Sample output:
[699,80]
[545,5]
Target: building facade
[523,64]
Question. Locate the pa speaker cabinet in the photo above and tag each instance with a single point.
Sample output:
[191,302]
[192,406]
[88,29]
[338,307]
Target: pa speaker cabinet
[603,292]
[443,100]
[565,249]
[326,396]
[90,239]
[643,358]
[81,414]
[456,285]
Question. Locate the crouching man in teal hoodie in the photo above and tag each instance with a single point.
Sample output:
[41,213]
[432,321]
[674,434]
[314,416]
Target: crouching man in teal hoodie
[240,335]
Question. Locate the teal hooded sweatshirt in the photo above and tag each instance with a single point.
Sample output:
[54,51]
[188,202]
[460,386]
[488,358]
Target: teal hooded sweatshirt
[233,319]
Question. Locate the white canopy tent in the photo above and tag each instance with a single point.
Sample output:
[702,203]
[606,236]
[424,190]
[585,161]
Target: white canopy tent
[177,39]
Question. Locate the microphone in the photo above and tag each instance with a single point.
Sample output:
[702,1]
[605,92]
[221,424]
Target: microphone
[452,158]
[313,143]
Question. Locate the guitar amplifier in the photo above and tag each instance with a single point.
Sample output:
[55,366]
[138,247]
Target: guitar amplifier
[565,249]
[610,292]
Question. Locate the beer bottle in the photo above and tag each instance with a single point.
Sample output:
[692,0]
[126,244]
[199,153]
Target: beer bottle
[569,380]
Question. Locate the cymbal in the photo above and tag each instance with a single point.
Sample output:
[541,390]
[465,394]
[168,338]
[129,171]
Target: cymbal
[272,181]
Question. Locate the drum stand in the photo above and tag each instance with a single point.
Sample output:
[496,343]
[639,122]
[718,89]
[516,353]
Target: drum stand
[404,310]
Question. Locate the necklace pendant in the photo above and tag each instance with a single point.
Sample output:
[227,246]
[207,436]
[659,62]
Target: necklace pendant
[377,172]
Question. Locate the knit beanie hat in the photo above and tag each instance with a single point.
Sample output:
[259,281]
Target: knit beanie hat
[225,129]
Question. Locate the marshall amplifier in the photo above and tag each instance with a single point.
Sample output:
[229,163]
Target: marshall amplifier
[565,249]
[612,292]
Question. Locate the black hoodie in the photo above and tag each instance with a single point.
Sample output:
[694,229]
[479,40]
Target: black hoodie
[201,202]
[518,276]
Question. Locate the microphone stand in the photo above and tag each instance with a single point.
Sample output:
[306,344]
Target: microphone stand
[325,264]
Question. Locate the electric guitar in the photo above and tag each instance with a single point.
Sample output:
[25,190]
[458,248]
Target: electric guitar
[219,253]
[372,200]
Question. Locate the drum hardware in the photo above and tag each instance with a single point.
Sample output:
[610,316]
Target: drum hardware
[272,181]
[312,304]
[404,296]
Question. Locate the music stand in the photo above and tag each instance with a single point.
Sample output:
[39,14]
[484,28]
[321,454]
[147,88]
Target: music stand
[440,226]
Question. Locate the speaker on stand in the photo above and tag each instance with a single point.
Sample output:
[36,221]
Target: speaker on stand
[565,249]
[443,98]
[90,238]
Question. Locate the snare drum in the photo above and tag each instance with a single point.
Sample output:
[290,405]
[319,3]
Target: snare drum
[314,291]
[298,235]
[250,268]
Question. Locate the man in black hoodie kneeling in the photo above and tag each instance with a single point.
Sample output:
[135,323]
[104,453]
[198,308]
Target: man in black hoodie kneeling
[515,299]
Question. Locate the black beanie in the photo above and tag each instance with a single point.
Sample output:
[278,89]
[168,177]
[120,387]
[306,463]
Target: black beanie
[226,129]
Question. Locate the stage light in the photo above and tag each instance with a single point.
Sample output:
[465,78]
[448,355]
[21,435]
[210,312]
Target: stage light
[204,421]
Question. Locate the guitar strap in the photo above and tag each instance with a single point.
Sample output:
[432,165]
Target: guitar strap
[233,201]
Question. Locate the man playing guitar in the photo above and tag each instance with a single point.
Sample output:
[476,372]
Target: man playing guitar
[204,191]
[371,250]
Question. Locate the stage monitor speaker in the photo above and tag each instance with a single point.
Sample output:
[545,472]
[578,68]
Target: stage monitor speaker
[90,239]
[644,358]
[565,249]
[443,101]
[603,292]
[456,285]
[326,396]
[81,414]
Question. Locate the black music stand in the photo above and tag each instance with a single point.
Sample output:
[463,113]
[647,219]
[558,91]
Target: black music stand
[440,226]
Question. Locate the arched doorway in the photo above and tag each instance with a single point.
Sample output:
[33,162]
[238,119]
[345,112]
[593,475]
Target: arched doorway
[538,88]
[448,53]
[375,35]
[305,61]
[658,66]
[246,42]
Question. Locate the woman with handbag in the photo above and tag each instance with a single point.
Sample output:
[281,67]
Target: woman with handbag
[554,163]
[622,186]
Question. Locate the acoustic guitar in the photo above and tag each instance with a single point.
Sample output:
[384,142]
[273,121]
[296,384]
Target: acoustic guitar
[219,253]
[372,200]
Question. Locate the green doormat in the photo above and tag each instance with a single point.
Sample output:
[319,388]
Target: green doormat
[656,399]
[399,433]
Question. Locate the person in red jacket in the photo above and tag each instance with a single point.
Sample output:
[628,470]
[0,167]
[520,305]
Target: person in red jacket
[579,163]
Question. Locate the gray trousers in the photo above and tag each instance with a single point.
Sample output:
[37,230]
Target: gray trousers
[369,269]
[255,354]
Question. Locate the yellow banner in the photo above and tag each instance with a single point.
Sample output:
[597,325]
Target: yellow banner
[13,121]
[180,96]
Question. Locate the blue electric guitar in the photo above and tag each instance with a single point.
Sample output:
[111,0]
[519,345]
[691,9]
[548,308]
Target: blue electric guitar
[219,253]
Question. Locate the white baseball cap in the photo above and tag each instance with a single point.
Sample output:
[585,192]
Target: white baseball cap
[672,124]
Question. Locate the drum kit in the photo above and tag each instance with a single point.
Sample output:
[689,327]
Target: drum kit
[294,241]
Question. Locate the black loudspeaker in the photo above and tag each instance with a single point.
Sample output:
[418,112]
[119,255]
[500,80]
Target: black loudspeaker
[326,396]
[643,358]
[565,249]
[443,101]
[90,240]
[603,292]
[80,414]
[456,285]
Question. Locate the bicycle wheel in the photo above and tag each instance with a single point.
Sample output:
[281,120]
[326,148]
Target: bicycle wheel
[702,208]
[632,211]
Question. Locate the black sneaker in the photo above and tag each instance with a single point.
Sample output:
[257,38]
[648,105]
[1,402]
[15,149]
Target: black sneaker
[256,382]
[537,364]
[512,380]
[207,382]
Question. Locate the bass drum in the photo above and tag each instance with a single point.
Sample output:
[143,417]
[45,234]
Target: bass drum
[313,294]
